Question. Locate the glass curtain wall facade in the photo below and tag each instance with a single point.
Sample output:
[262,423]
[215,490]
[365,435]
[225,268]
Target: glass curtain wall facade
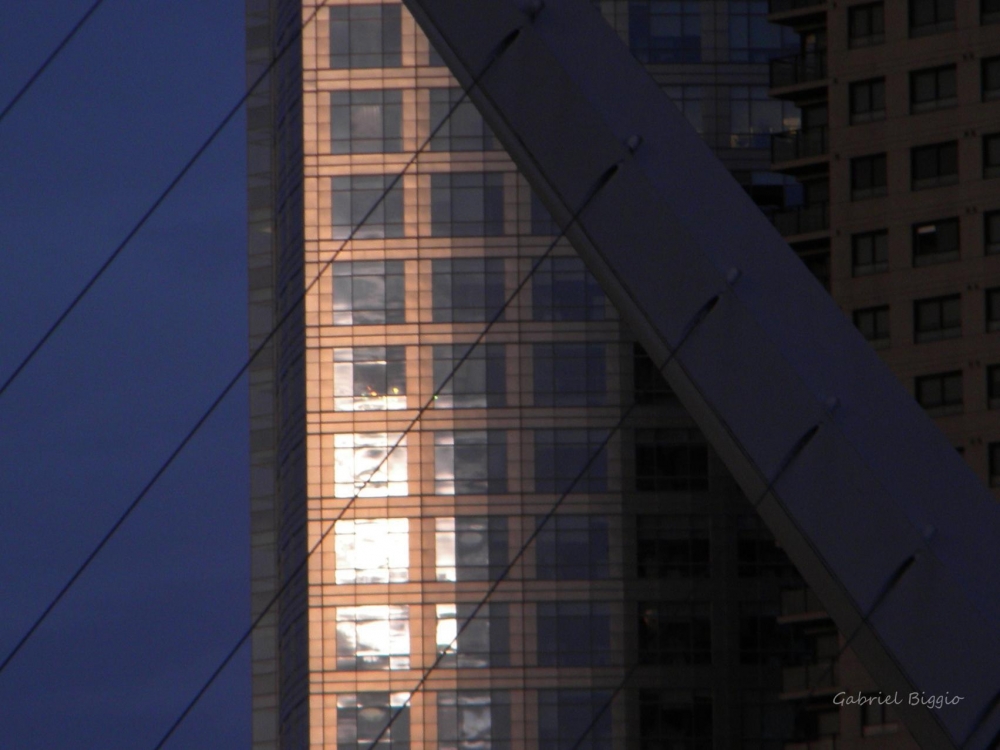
[639,596]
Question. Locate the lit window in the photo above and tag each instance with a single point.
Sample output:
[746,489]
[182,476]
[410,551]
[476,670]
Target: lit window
[368,292]
[577,719]
[674,633]
[375,550]
[574,634]
[366,122]
[363,210]
[470,462]
[665,31]
[369,378]
[935,242]
[873,323]
[467,204]
[473,720]
[868,176]
[479,381]
[934,166]
[991,156]
[460,130]
[571,461]
[867,100]
[373,637]
[365,36]
[468,290]
[870,253]
[866,25]
[934,88]
[364,467]
[470,548]
[361,717]
[670,460]
[672,547]
[940,393]
[931,16]
[570,548]
[569,374]
[484,640]
[563,289]
[937,318]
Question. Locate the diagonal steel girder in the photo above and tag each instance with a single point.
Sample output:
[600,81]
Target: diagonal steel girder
[898,538]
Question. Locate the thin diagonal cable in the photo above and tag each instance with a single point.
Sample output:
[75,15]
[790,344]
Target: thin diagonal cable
[156,204]
[50,59]
[219,399]
[604,708]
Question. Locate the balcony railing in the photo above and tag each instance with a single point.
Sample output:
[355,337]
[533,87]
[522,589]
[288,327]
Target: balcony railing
[802,219]
[798,144]
[781,6]
[808,677]
[795,69]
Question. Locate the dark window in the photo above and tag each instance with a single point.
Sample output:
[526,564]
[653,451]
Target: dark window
[665,31]
[937,318]
[868,100]
[368,292]
[868,176]
[364,207]
[650,385]
[460,130]
[574,634]
[570,374]
[669,720]
[688,99]
[571,548]
[993,309]
[471,548]
[542,223]
[757,554]
[470,462]
[362,717]
[479,381]
[991,232]
[565,718]
[366,122]
[931,16]
[754,116]
[877,718]
[365,36]
[668,460]
[468,290]
[870,253]
[483,642]
[939,392]
[563,289]
[935,242]
[473,720]
[991,156]
[993,386]
[873,322]
[934,165]
[991,78]
[571,461]
[990,11]
[762,640]
[672,547]
[752,38]
[467,204]
[369,378]
[866,25]
[934,88]
[994,458]
[674,633]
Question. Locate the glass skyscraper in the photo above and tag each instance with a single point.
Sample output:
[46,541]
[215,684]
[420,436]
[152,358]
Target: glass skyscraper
[436,428]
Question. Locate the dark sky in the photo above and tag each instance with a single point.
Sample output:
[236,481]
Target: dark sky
[92,418]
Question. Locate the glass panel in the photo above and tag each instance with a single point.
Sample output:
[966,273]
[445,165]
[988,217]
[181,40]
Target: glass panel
[371,378]
[373,637]
[372,550]
[364,467]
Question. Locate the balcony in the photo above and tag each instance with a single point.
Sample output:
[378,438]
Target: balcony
[799,144]
[808,677]
[802,220]
[798,69]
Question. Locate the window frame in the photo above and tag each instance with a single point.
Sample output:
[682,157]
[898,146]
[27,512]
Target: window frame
[878,167]
[869,87]
[879,252]
[941,157]
[991,156]
[929,257]
[940,24]
[938,101]
[942,331]
[866,11]
[937,394]
[878,313]
[989,69]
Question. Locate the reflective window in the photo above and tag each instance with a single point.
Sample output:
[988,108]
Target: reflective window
[674,633]
[665,31]
[473,720]
[542,223]
[480,380]
[670,460]
[866,24]
[991,156]
[563,289]
[468,290]
[483,642]
[991,232]
[365,36]
[368,292]
[461,130]
[870,253]
[937,318]
[471,548]
[757,554]
[934,165]
[470,462]
[570,548]
[754,116]
[570,374]
[373,637]
[365,468]
[369,378]
[934,88]
[673,547]
[467,204]
[868,176]
[362,206]
[935,242]
[574,720]
[361,717]
[571,461]
[867,100]
[940,393]
[675,720]
[574,634]
[752,38]
[366,122]
[931,16]
[373,550]
[688,100]
[873,323]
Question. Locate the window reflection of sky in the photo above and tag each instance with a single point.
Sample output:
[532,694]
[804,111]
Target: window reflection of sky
[373,550]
